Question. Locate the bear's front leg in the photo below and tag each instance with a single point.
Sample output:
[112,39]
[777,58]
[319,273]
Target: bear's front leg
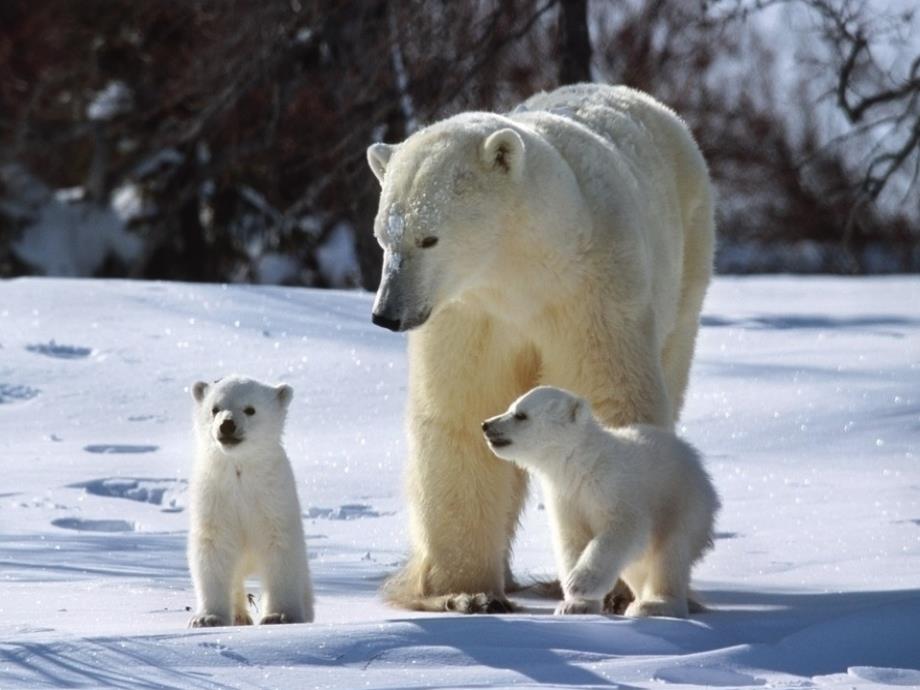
[212,564]
[283,571]
[461,527]
[463,501]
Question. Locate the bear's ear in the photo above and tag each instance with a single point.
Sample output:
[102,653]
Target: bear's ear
[576,410]
[199,390]
[284,393]
[504,151]
[378,155]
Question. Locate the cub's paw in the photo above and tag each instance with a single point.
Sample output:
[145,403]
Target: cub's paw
[574,607]
[582,584]
[478,603]
[665,608]
[207,620]
[242,619]
[276,619]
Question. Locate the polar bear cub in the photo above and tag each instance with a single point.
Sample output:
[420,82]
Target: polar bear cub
[245,517]
[633,502]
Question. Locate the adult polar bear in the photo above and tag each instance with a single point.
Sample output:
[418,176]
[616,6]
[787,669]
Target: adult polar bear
[568,243]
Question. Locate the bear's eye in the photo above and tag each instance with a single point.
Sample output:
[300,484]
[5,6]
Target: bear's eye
[215,409]
[426,242]
[250,410]
[520,416]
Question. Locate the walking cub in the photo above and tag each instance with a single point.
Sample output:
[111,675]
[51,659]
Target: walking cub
[633,502]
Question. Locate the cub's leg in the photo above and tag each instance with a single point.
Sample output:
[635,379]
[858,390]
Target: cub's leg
[570,539]
[665,590]
[241,603]
[213,563]
[597,570]
[284,588]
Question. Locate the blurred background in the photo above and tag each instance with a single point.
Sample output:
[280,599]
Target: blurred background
[224,140]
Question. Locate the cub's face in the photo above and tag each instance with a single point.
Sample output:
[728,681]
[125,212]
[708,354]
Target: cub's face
[544,419]
[239,413]
[446,197]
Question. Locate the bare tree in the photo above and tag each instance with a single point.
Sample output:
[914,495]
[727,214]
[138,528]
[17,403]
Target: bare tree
[879,97]
[869,93]
[244,125]
[574,42]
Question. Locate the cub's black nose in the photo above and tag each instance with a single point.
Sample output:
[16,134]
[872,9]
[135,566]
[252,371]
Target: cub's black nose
[386,322]
[227,427]
[485,426]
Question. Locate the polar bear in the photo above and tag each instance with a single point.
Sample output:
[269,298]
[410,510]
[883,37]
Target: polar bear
[633,502]
[245,517]
[570,243]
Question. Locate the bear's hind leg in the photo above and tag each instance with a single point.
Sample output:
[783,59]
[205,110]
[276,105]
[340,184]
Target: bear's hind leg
[679,346]
[666,587]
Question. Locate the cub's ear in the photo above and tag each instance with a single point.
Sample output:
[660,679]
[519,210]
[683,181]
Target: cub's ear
[284,393]
[504,151]
[378,155]
[199,390]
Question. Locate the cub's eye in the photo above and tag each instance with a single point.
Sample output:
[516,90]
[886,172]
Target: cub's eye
[426,242]
[520,416]
[215,409]
[250,410]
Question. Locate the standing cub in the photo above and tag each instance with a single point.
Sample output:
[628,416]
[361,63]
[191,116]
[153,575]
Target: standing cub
[633,502]
[245,518]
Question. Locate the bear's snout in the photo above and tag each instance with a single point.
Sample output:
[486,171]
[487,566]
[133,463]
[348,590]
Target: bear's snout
[227,427]
[386,322]
[494,435]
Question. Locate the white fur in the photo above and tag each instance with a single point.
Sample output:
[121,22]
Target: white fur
[569,243]
[633,502]
[245,517]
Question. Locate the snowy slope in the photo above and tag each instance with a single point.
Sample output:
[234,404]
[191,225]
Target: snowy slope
[805,400]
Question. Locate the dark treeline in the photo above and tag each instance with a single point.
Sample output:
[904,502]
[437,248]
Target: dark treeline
[224,140]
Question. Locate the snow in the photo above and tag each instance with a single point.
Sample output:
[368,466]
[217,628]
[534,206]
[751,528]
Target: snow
[273,268]
[336,257]
[303,35]
[165,159]
[128,202]
[396,226]
[65,236]
[805,399]
[114,100]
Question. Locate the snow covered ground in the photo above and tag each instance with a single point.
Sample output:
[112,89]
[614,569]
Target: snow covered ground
[805,399]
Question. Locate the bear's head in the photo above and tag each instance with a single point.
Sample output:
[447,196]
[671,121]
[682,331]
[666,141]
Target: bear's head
[448,193]
[538,426]
[237,414]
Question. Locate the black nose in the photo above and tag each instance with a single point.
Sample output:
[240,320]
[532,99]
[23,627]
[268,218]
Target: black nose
[485,426]
[227,427]
[381,320]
